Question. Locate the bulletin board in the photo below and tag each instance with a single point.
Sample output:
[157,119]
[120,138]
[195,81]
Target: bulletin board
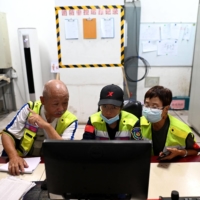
[75,50]
[177,49]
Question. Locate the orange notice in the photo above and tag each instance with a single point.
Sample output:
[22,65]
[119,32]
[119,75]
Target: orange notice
[89,29]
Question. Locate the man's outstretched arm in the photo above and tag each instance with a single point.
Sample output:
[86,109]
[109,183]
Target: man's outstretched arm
[16,163]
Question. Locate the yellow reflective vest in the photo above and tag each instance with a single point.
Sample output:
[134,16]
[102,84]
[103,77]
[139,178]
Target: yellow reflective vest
[177,132]
[126,124]
[28,139]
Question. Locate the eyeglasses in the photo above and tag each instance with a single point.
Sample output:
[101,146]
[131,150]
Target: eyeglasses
[111,108]
[153,107]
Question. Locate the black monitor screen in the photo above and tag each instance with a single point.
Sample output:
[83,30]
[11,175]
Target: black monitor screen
[98,168]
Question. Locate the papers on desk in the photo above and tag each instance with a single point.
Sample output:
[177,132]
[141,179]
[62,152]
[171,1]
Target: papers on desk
[13,188]
[32,163]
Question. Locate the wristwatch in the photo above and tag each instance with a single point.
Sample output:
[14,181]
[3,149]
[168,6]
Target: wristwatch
[186,152]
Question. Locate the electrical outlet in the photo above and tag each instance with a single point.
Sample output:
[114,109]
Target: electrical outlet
[151,81]
[14,74]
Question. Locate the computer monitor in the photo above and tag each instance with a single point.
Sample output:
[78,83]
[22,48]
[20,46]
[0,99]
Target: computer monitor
[91,168]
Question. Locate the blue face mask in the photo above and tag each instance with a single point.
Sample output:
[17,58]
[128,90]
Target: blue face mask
[111,120]
[152,115]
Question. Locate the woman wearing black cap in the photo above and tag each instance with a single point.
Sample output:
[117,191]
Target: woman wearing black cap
[110,122]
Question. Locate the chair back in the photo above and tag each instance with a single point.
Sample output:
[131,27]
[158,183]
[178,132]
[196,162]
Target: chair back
[133,107]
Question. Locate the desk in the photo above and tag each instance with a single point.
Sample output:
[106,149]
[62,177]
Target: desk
[37,175]
[182,175]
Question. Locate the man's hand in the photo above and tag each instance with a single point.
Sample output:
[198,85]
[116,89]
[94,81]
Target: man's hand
[36,120]
[174,152]
[16,165]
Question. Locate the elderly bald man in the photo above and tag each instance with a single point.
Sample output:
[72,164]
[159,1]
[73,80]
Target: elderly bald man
[36,121]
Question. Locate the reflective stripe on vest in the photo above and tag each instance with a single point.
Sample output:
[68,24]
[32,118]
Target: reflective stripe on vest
[120,135]
[126,124]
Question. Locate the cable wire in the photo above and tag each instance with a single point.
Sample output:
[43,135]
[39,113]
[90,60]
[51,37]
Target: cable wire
[145,62]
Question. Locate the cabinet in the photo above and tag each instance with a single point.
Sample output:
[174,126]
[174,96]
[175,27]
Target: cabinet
[5,57]
[6,88]
[194,108]
[7,92]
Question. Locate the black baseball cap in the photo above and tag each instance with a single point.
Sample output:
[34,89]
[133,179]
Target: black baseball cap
[111,94]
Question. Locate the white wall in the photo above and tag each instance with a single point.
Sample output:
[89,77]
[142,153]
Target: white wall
[37,14]
[169,10]
[176,78]
[40,15]
[84,95]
